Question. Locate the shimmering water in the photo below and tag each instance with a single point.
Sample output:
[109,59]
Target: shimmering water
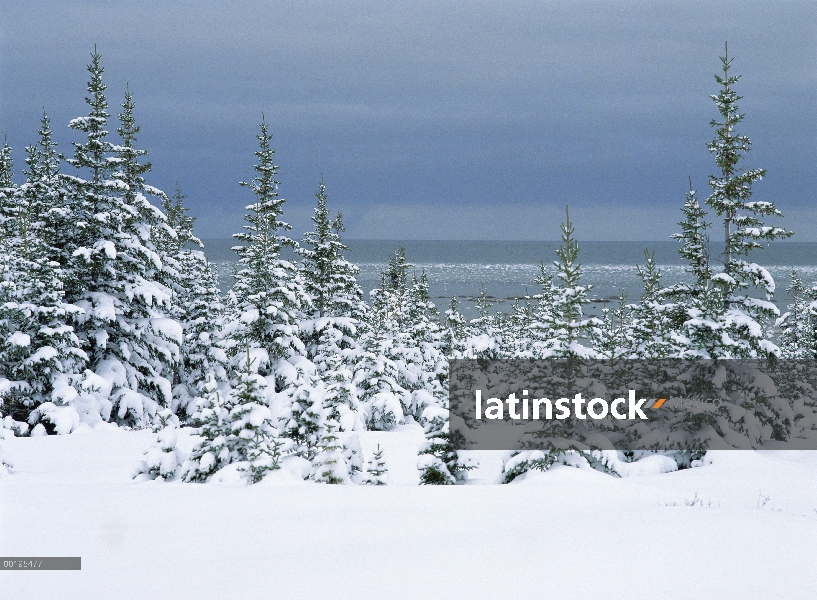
[506,270]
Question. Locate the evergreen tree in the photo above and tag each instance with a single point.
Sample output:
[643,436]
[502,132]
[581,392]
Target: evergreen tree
[438,462]
[353,455]
[332,335]
[377,472]
[39,352]
[253,436]
[197,305]
[520,462]
[213,451]
[8,191]
[651,335]
[562,327]
[163,459]
[516,338]
[698,317]
[307,411]
[377,376]
[268,298]
[798,326]
[744,229]
[611,336]
[426,366]
[484,333]
[454,331]
[115,270]
[328,277]
[329,465]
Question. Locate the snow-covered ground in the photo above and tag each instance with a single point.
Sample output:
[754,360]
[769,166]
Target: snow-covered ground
[744,526]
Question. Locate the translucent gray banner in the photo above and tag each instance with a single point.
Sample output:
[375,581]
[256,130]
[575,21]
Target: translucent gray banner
[40,563]
[629,405]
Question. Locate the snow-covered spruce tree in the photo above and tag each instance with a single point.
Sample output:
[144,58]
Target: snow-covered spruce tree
[308,413]
[706,324]
[115,270]
[377,376]
[39,352]
[197,305]
[798,325]
[268,298]
[611,337]
[377,472]
[332,333]
[699,307]
[561,326]
[484,338]
[518,463]
[328,277]
[798,342]
[454,331]
[650,332]
[329,465]
[8,190]
[253,436]
[516,338]
[437,461]
[213,451]
[45,196]
[163,459]
[353,455]
[746,318]
[236,428]
[424,358]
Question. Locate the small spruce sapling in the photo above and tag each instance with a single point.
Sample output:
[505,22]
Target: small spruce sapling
[377,472]
[329,465]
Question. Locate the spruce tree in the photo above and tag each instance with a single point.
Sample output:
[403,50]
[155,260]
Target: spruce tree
[115,269]
[425,362]
[454,331]
[268,298]
[328,277]
[163,459]
[8,191]
[307,411]
[485,334]
[197,305]
[744,229]
[377,472]
[333,331]
[213,451]
[377,375]
[650,333]
[612,335]
[254,438]
[798,325]
[562,327]
[329,465]
[438,462]
[39,352]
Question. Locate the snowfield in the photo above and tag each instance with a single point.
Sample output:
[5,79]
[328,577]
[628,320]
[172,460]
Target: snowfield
[743,526]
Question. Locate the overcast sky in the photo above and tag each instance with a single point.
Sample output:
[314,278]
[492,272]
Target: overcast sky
[433,120]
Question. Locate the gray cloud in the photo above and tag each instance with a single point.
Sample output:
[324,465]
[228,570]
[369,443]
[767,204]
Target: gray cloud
[425,113]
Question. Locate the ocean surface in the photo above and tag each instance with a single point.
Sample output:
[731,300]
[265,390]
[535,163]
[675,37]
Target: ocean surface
[506,269]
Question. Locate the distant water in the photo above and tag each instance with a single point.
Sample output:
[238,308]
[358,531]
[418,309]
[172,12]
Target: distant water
[506,269]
